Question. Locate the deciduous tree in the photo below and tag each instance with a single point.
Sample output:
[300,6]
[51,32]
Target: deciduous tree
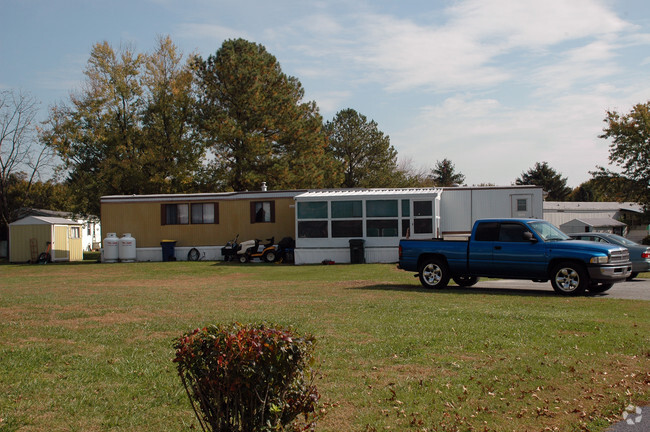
[21,156]
[128,130]
[629,149]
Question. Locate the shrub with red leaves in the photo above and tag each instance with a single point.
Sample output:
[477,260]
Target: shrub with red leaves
[248,378]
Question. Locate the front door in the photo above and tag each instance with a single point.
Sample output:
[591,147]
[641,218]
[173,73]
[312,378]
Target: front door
[60,246]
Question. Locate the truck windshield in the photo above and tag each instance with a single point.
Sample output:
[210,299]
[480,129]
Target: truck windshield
[548,231]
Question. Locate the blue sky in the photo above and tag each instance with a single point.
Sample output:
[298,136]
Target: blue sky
[493,85]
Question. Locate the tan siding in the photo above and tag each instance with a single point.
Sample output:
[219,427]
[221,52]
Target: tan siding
[76,249]
[61,246]
[143,221]
[19,249]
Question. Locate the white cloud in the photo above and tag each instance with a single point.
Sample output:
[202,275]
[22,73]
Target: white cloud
[581,67]
[482,43]
[533,23]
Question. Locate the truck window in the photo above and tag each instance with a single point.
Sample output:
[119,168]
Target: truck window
[512,232]
[487,231]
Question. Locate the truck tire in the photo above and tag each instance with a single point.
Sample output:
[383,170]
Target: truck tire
[600,288]
[465,281]
[434,273]
[569,279]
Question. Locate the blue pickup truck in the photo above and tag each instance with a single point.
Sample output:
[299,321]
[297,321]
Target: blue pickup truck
[529,249]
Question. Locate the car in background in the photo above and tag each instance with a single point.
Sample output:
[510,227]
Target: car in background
[639,254]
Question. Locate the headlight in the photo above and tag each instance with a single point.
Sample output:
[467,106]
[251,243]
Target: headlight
[599,260]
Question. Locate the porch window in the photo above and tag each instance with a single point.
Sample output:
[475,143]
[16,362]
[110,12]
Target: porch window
[313,228]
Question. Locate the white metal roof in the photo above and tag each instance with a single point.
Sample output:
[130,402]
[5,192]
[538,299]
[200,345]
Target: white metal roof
[598,222]
[569,206]
[44,220]
[359,193]
[199,196]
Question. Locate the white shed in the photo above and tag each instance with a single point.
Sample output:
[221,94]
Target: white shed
[603,224]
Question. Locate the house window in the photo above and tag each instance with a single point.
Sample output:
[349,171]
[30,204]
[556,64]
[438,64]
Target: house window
[262,211]
[175,214]
[75,232]
[522,205]
[205,213]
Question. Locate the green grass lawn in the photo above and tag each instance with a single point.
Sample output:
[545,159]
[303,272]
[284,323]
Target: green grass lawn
[88,347]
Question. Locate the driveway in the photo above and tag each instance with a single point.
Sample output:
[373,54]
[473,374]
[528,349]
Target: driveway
[637,289]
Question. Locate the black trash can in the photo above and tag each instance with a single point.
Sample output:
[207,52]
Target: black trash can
[357,251]
[168,250]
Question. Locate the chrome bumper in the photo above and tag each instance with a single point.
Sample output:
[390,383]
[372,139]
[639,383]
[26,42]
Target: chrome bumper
[615,273]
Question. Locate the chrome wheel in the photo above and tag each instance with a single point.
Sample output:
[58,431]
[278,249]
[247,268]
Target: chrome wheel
[434,274]
[569,279]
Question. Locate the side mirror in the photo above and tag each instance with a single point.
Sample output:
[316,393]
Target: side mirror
[528,236]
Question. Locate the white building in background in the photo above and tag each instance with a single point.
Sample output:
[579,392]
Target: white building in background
[619,218]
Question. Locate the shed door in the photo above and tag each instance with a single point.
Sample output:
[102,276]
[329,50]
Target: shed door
[522,206]
[60,246]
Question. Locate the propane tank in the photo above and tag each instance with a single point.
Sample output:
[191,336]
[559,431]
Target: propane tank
[127,248]
[111,253]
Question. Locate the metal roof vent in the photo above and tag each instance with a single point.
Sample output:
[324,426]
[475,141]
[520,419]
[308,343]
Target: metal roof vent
[264,188]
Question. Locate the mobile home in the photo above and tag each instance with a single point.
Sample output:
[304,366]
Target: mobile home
[345,225]
[205,221]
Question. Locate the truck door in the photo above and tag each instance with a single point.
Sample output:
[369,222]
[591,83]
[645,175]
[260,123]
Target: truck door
[515,255]
[481,248]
